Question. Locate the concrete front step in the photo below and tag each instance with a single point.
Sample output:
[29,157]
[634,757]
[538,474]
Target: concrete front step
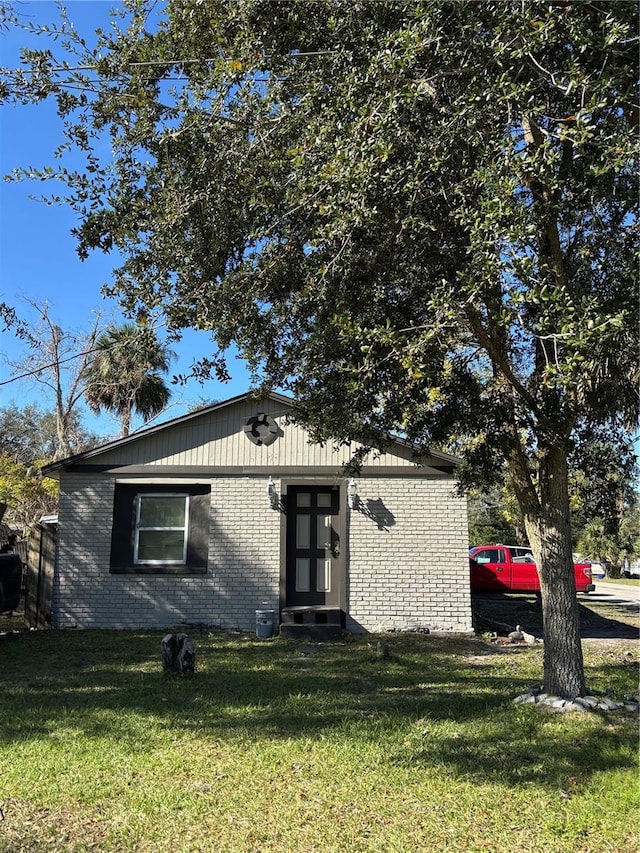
[320,622]
[319,633]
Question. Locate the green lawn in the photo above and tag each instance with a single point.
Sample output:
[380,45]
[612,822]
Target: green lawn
[273,746]
[624,581]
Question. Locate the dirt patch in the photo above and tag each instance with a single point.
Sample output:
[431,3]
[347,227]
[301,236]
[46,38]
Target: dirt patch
[602,621]
[599,620]
[11,623]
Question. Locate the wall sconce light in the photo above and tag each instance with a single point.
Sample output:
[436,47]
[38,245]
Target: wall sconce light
[272,495]
[352,493]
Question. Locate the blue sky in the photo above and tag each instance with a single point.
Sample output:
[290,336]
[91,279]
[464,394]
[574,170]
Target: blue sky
[38,260]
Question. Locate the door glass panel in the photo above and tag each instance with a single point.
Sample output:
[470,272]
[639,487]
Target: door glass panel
[303,565]
[324,499]
[323,578]
[324,531]
[303,499]
[303,529]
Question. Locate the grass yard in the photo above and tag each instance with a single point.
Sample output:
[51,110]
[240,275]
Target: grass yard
[622,581]
[276,746]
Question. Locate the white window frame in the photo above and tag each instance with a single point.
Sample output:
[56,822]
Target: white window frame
[185,529]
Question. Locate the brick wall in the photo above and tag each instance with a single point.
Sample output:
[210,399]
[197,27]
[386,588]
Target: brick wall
[243,570]
[407,560]
[408,556]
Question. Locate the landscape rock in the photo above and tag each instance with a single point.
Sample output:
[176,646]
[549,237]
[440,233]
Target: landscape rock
[178,653]
[579,704]
[586,701]
[575,706]
[609,704]
[525,699]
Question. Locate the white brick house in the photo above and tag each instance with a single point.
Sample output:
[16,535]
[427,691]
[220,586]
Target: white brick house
[230,509]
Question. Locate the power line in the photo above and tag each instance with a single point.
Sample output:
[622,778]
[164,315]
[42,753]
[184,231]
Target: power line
[61,361]
[49,366]
[153,62]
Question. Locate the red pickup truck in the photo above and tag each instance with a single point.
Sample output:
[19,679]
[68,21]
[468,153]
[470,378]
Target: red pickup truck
[511,568]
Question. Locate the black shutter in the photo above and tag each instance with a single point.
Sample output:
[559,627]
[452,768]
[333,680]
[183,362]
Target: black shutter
[123,528]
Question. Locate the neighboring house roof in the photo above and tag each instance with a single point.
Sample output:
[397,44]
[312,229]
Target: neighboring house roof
[444,462]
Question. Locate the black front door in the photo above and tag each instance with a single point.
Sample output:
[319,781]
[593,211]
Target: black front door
[313,563]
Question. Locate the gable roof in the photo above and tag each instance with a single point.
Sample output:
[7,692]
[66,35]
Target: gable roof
[149,446]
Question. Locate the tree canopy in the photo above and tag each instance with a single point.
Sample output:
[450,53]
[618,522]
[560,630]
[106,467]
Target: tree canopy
[614,547]
[29,434]
[417,217]
[28,439]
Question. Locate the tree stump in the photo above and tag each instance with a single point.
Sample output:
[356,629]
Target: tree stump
[178,653]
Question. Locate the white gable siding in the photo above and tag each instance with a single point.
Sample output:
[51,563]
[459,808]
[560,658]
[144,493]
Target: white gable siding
[217,439]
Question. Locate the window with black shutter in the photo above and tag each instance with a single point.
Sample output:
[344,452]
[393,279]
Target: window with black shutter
[160,529]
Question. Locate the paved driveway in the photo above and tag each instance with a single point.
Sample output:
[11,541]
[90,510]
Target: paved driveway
[627,593]
[612,611]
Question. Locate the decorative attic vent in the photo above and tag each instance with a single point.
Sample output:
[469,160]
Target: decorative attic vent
[261,429]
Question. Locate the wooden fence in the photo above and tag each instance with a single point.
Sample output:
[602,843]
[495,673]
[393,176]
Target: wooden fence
[39,576]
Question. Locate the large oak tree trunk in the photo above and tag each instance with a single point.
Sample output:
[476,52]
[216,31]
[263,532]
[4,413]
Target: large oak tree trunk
[549,532]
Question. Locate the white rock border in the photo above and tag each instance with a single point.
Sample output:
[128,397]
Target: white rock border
[534,696]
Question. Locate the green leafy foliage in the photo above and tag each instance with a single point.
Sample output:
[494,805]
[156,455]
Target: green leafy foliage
[494,516]
[603,476]
[613,546]
[29,439]
[30,434]
[27,494]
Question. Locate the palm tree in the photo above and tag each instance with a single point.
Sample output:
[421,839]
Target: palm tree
[616,546]
[125,374]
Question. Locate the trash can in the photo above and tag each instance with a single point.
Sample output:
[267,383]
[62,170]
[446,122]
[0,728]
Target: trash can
[264,623]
